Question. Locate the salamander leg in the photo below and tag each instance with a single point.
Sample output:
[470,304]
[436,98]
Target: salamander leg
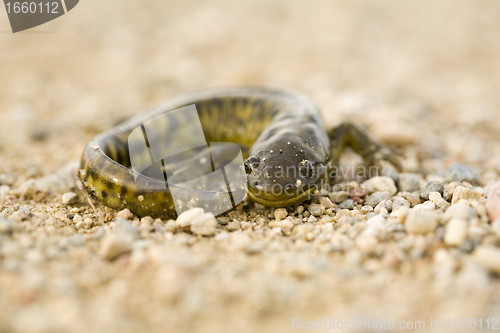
[372,152]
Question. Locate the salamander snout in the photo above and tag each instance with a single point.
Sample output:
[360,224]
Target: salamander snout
[251,163]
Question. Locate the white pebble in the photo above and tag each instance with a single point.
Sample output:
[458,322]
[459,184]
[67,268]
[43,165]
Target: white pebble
[125,214]
[115,245]
[456,232]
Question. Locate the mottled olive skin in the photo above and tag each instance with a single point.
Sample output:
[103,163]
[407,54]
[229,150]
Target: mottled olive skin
[286,147]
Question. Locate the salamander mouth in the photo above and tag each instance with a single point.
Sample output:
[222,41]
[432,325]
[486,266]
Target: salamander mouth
[282,203]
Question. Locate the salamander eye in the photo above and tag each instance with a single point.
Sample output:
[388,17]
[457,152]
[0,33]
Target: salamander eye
[251,163]
[306,169]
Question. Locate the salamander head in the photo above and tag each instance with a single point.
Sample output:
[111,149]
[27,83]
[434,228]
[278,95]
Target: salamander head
[281,175]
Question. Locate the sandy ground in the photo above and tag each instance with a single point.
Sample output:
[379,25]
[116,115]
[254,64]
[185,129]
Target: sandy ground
[422,77]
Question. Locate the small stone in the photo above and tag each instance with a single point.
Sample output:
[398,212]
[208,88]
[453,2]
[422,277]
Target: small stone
[380,184]
[7,226]
[312,219]
[489,257]
[462,211]
[432,187]
[222,220]
[366,209]
[347,204]
[316,210]
[204,224]
[280,213]
[400,215]
[458,173]
[399,202]
[493,203]
[374,226]
[456,232]
[338,197]
[115,245]
[391,173]
[247,225]
[325,202]
[414,199]
[184,219]
[234,225]
[147,221]
[465,193]
[495,226]
[449,189]
[421,222]
[125,214]
[4,190]
[435,197]
[69,198]
[409,182]
[377,197]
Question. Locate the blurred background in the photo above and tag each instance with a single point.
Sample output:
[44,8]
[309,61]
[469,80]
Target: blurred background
[420,75]
[423,77]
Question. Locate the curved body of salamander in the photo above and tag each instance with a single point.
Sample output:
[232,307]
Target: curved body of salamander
[286,147]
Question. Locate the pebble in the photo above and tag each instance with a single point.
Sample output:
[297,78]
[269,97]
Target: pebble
[421,222]
[380,184]
[316,210]
[234,225]
[366,209]
[122,227]
[125,214]
[222,220]
[338,197]
[7,226]
[325,202]
[489,257]
[170,226]
[456,232]
[458,173]
[449,189]
[465,193]
[115,245]
[399,202]
[409,182]
[493,203]
[69,198]
[376,198]
[4,190]
[435,197]
[461,210]
[280,213]
[391,173]
[433,186]
[312,219]
[413,199]
[204,224]
[184,219]
[347,204]
[374,226]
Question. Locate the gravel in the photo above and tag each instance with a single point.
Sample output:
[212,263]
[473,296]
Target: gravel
[433,186]
[380,184]
[458,173]
[493,202]
[399,255]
